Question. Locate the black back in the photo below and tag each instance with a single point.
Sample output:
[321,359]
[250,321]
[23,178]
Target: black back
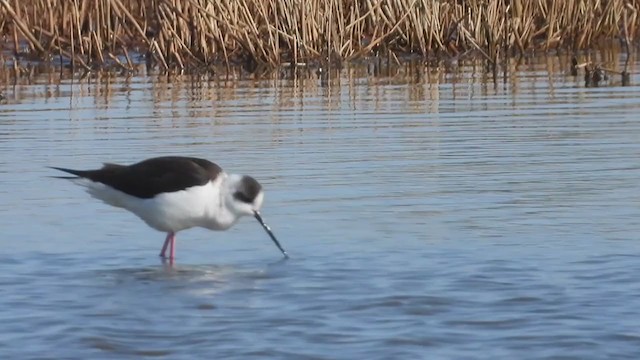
[151,177]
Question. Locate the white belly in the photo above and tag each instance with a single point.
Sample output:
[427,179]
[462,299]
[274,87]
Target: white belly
[171,212]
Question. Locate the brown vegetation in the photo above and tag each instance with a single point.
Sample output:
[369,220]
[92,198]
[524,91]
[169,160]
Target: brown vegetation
[196,34]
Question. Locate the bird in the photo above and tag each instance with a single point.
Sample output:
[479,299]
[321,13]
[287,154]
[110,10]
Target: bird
[174,193]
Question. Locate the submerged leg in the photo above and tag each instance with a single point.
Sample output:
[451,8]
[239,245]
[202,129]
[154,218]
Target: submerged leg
[170,237]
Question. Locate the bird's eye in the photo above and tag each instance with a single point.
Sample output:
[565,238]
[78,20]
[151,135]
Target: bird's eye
[240,196]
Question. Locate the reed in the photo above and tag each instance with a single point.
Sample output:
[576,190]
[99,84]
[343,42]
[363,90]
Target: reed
[199,34]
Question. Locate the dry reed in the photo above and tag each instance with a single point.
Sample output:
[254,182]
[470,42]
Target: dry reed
[195,34]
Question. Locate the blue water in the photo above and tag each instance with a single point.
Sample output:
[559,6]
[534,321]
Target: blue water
[433,219]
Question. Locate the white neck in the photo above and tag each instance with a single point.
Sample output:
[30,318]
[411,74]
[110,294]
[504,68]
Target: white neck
[217,214]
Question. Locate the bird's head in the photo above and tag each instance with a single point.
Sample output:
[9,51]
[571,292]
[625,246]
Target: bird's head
[244,197]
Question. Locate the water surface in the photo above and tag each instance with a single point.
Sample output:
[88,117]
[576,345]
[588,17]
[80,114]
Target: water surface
[428,214]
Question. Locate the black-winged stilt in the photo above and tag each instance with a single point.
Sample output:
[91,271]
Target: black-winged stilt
[174,193]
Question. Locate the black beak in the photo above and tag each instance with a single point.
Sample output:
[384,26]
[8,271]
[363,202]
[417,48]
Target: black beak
[266,227]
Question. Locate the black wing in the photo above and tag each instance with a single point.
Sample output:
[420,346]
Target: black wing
[151,177]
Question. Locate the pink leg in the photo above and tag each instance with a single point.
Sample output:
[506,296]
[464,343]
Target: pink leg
[170,238]
[173,247]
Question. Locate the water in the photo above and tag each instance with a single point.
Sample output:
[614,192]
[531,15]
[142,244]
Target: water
[429,216]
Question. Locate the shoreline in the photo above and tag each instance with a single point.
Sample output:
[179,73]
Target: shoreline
[602,67]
